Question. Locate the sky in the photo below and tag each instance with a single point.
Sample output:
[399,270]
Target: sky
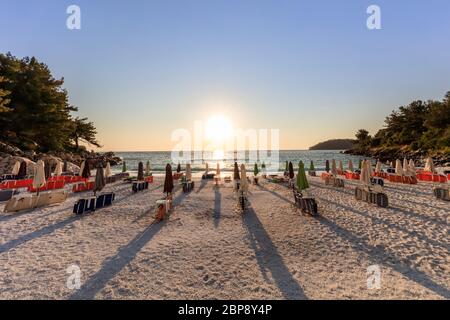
[140,69]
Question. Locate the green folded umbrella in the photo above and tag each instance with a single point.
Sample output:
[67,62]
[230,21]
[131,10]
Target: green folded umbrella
[302,182]
[327,166]
[311,167]
[256,170]
[124,167]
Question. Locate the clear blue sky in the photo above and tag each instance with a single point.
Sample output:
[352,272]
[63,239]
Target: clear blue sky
[142,68]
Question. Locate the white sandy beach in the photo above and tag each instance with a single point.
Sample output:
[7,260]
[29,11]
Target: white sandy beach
[208,249]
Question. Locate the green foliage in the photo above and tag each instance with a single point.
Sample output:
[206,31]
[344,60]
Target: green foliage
[83,130]
[363,138]
[419,125]
[3,97]
[36,113]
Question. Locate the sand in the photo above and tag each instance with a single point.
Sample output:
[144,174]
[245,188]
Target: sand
[208,249]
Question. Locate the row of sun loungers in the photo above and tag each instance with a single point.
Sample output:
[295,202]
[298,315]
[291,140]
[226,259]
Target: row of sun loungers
[32,201]
[91,204]
[371,196]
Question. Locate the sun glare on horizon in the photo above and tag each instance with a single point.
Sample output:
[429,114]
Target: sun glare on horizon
[218,128]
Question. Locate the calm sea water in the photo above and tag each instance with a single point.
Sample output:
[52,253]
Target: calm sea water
[159,160]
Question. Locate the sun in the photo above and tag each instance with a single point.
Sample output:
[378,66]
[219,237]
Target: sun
[218,128]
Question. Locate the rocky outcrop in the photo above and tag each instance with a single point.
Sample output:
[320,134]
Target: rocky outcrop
[7,164]
[10,154]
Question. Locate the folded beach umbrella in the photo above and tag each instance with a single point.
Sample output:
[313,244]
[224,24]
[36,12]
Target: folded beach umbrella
[100,181]
[392,164]
[429,165]
[218,169]
[39,175]
[124,167]
[287,167]
[378,167]
[58,169]
[179,168]
[207,167]
[47,169]
[256,170]
[188,172]
[108,172]
[236,172]
[86,170]
[350,166]
[302,182]
[291,171]
[364,176]
[147,169]
[327,166]
[412,167]
[311,167]
[82,168]
[370,168]
[22,170]
[244,181]
[334,168]
[398,168]
[15,169]
[341,166]
[168,181]
[64,166]
[140,176]
[405,164]
[361,163]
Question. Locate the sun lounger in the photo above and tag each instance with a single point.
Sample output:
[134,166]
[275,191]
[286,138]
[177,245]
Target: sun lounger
[371,196]
[51,185]
[311,173]
[335,182]
[140,186]
[208,176]
[83,206]
[177,176]
[163,207]
[442,193]
[6,195]
[16,184]
[105,200]
[352,176]
[91,204]
[188,186]
[305,204]
[31,201]
[83,186]
[377,181]
[4,177]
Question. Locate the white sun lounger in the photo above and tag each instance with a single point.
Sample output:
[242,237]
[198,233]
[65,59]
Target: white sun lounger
[31,201]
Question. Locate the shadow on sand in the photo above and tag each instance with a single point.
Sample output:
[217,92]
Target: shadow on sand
[217,207]
[269,259]
[360,243]
[113,265]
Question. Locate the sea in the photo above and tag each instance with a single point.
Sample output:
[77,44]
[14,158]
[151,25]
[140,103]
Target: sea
[159,160]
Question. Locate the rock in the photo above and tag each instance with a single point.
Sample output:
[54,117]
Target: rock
[7,164]
[10,150]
